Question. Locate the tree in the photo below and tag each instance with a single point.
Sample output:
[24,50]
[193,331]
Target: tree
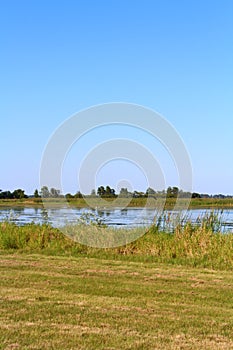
[6,195]
[78,195]
[106,192]
[101,191]
[44,192]
[172,192]
[196,195]
[169,192]
[109,192]
[69,196]
[93,194]
[125,193]
[175,191]
[138,194]
[150,192]
[54,193]
[36,193]
[19,194]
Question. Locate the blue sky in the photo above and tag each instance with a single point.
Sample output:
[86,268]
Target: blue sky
[59,57]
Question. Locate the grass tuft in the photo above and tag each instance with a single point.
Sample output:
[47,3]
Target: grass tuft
[187,244]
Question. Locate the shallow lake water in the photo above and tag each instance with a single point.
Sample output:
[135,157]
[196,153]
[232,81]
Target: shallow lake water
[115,217]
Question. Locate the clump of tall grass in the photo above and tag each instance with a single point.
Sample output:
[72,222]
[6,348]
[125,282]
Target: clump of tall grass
[179,240]
[168,221]
[196,244]
[31,237]
[91,230]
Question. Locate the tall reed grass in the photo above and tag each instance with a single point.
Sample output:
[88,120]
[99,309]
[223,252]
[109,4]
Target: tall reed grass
[197,244]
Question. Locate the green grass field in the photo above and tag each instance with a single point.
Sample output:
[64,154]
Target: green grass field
[52,302]
[134,202]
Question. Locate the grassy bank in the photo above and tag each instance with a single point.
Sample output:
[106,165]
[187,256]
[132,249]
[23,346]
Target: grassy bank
[78,303]
[189,245]
[134,202]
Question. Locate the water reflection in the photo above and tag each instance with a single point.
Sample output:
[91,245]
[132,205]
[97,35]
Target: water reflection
[44,215]
[124,212]
[117,217]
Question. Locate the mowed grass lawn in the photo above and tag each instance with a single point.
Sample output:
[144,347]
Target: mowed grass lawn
[52,302]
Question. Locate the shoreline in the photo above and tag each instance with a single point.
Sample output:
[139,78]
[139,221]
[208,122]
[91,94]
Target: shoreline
[204,203]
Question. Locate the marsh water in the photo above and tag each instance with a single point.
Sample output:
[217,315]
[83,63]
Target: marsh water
[115,217]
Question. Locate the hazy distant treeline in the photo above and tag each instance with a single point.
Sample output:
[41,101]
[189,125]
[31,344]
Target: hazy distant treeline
[108,192]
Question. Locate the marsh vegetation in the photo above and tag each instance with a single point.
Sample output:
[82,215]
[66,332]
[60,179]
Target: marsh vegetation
[194,244]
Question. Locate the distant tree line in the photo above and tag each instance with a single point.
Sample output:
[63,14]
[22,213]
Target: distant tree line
[170,192]
[108,192]
[16,194]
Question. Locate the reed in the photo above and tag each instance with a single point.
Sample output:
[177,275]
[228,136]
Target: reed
[195,244]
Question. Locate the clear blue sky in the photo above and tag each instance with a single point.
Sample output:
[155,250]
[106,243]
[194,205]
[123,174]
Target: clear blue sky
[58,57]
